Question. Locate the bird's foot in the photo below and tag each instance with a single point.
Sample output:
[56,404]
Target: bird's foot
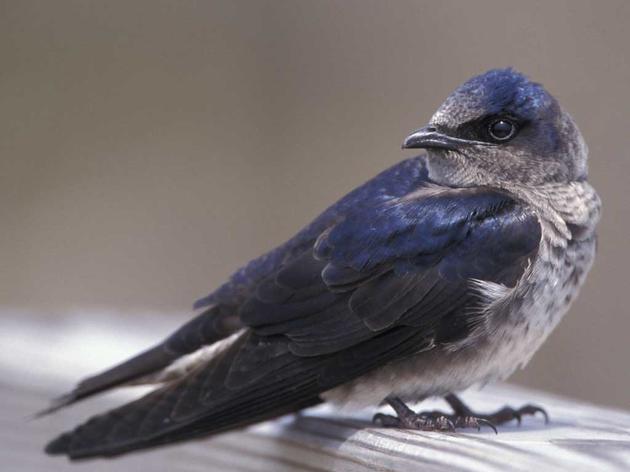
[408,419]
[462,416]
[499,417]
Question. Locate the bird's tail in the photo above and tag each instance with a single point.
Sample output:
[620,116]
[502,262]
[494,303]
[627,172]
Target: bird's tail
[214,324]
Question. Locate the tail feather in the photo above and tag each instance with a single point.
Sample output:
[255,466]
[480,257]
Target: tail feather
[212,325]
[147,362]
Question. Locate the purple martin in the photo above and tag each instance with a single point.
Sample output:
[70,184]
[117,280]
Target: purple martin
[445,271]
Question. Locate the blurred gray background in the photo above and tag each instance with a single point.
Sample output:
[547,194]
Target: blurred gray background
[148,148]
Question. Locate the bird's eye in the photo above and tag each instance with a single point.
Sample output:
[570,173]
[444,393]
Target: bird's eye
[502,130]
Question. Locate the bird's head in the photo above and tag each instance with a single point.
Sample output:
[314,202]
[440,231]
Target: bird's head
[501,127]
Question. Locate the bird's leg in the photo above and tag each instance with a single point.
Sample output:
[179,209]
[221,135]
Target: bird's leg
[463,413]
[462,416]
[407,418]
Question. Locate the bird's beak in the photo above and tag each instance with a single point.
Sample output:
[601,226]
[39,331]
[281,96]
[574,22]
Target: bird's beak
[430,137]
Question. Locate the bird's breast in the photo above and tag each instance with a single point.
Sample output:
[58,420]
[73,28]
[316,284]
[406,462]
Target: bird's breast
[543,299]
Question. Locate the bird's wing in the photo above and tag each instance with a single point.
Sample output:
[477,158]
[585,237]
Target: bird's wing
[385,282]
[220,317]
[408,261]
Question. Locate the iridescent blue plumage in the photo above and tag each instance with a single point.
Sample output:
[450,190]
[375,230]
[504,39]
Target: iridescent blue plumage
[504,89]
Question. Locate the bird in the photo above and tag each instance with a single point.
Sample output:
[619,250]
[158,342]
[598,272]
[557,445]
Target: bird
[446,271]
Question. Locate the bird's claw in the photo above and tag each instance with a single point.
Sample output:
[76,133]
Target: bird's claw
[474,422]
[530,410]
[507,414]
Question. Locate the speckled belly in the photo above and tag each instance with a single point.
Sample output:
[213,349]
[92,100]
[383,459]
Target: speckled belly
[518,330]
